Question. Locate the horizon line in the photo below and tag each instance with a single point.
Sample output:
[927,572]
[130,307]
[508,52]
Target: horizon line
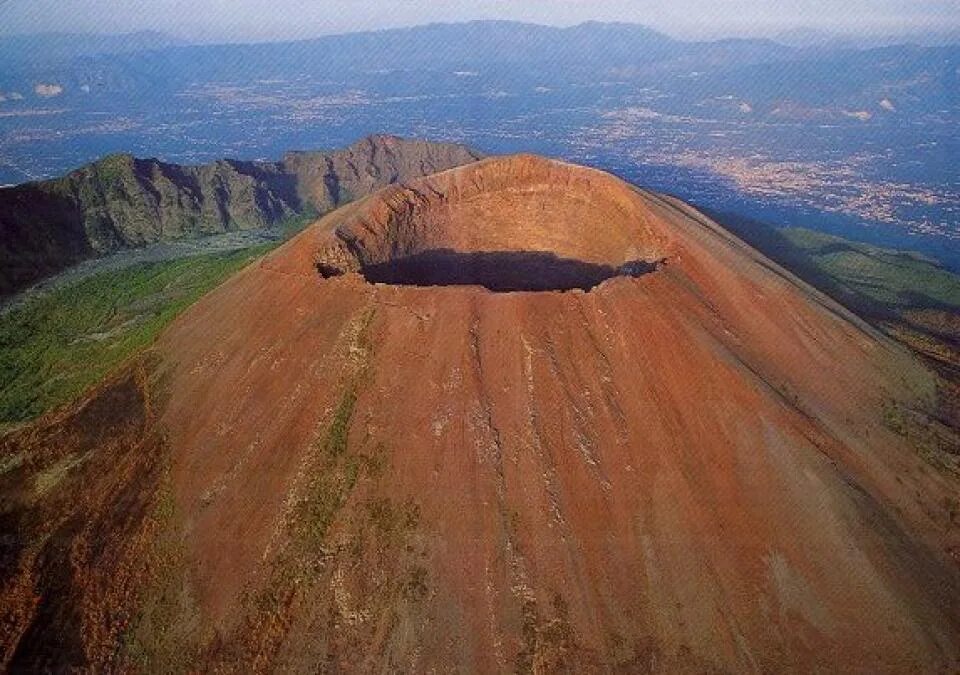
[828,35]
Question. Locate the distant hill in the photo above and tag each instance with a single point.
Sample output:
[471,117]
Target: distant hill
[813,37]
[589,47]
[826,73]
[49,48]
[122,202]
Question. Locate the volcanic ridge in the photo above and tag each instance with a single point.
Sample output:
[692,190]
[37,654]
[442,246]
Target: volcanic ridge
[520,225]
[516,415]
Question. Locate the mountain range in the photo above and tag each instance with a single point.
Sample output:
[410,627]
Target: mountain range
[44,49]
[122,202]
[162,67]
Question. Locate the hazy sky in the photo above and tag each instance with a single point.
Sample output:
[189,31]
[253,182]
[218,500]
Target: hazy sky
[270,19]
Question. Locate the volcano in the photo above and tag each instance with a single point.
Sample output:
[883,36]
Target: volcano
[517,415]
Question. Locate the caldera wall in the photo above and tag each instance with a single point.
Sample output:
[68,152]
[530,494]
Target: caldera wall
[512,205]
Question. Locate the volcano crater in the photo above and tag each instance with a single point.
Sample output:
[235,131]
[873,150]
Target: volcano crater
[509,224]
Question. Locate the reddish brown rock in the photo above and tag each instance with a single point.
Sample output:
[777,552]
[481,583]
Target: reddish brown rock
[688,467]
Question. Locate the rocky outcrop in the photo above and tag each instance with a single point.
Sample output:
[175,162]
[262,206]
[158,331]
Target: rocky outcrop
[122,202]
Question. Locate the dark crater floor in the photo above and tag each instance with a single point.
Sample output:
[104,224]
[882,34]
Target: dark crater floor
[499,271]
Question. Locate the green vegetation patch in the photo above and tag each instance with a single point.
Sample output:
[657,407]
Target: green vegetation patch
[54,347]
[164,635]
[884,276]
[336,441]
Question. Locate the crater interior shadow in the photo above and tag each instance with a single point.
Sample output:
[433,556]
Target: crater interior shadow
[499,271]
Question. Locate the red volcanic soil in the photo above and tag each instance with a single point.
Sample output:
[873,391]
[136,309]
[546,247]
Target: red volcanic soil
[581,428]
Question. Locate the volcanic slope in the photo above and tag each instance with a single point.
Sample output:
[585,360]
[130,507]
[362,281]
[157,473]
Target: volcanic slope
[514,416]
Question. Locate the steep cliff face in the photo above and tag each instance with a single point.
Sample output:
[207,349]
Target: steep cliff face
[698,465]
[328,180]
[121,201]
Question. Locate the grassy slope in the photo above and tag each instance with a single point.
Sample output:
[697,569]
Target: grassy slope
[910,297]
[54,347]
[888,278]
[57,344]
